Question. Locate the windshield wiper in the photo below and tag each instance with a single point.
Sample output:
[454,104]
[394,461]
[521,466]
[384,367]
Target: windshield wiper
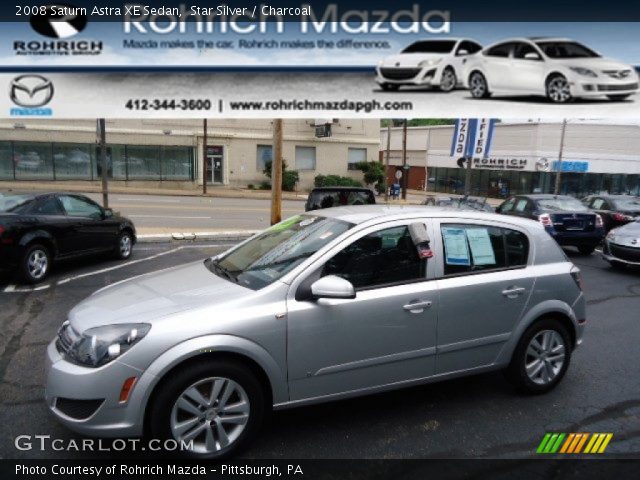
[223,272]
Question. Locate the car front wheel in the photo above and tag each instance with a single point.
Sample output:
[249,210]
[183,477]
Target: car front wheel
[558,89]
[541,358]
[478,86]
[124,245]
[35,263]
[586,249]
[213,407]
[448,81]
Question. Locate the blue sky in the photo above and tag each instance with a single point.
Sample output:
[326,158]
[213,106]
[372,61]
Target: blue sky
[619,40]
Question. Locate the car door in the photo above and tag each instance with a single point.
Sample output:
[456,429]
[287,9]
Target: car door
[463,52]
[91,231]
[527,69]
[385,335]
[50,216]
[483,285]
[497,63]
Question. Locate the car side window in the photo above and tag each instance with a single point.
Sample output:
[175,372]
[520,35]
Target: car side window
[521,205]
[501,50]
[49,206]
[597,204]
[384,257]
[522,49]
[517,248]
[78,207]
[470,47]
[472,248]
[508,205]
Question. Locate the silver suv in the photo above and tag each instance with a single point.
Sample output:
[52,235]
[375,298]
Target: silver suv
[323,306]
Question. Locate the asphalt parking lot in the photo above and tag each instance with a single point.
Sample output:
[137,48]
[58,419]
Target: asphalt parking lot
[480,416]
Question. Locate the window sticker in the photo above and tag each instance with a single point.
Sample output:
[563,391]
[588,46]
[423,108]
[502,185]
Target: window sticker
[481,247]
[455,246]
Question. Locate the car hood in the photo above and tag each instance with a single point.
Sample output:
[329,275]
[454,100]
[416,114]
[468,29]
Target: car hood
[155,295]
[597,63]
[630,230]
[410,59]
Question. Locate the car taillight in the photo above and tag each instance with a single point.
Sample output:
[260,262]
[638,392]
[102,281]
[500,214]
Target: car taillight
[545,219]
[575,274]
[621,217]
[599,222]
[2,230]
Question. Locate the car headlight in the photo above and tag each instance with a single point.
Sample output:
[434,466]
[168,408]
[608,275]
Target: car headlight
[611,235]
[429,63]
[100,345]
[584,71]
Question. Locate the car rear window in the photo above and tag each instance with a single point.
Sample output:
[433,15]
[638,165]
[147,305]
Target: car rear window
[339,198]
[562,204]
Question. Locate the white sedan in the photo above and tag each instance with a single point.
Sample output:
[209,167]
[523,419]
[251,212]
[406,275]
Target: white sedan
[560,69]
[435,63]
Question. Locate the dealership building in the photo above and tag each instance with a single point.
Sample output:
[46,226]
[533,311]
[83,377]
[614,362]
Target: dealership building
[597,158]
[170,153]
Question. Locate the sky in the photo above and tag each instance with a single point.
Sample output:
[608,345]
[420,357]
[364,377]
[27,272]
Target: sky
[619,40]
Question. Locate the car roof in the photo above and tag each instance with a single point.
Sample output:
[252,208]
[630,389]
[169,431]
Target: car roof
[368,213]
[337,189]
[544,196]
[531,39]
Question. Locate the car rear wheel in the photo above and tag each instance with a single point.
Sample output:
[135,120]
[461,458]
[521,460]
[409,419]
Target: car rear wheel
[478,86]
[215,406]
[35,263]
[558,89]
[124,245]
[618,98]
[586,249]
[541,358]
[617,265]
[448,81]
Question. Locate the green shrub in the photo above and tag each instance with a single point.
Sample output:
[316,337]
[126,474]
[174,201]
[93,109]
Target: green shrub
[289,177]
[251,186]
[335,181]
[265,185]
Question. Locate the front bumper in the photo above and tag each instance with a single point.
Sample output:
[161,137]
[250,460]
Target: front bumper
[613,252]
[409,75]
[79,385]
[597,87]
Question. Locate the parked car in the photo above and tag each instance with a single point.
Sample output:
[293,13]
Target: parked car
[36,230]
[615,210]
[327,305]
[558,68]
[464,203]
[436,63]
[567,220]
[328,197]
[622,245]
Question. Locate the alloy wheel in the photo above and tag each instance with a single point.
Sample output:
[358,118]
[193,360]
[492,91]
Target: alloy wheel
[38,264]
[448,81]
[478,85]
[545,357]
[559,90]
[125,246]
[212,413]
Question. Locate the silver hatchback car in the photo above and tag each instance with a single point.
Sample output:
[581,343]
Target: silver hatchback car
[323,306]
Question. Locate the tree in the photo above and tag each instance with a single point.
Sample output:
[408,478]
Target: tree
[289,177]
[374,173]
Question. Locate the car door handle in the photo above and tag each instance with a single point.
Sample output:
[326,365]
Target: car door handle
[513,292]
[417,307]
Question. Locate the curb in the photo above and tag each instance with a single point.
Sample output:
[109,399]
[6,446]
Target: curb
[226,236]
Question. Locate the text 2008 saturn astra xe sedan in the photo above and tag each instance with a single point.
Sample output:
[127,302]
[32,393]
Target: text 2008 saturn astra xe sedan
[336,303]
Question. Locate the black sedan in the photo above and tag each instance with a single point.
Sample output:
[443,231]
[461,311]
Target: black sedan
[567,220]
[36,230]
[462,203]
[615,210]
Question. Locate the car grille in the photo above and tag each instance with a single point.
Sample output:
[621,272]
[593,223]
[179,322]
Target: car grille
[629,254]
[399,73]
[620,74]
[78,409]
[617,88]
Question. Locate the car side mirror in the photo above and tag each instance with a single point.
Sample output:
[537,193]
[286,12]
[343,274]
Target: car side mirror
[333,286]
[462,52]
[532,56]
[107,213]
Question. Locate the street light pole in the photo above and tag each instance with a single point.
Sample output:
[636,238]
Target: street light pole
[276,173]
[405,170]
[204,157]
[386,164]
[563,131]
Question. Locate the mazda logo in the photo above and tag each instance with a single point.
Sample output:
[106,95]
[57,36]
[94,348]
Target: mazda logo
[542,165]
[31,91]
[58,21]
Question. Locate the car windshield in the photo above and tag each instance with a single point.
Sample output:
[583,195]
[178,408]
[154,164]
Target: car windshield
[269,256]
[14,203]
[625,204]
[566,50]
[430,46]
[562,204]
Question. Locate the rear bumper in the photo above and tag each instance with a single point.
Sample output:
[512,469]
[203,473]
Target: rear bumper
[577,239]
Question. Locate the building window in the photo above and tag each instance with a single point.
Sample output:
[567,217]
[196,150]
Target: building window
[143,162]
[305,158]
[33,161]
[6,161]
[72,161]
[176,163]
[264,155]
[356,155]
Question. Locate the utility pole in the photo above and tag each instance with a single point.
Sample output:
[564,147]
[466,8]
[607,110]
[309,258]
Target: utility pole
[467,177]
[204,157]
[386,163]
[102,146]
[276,173]
[556,190]
[405,170]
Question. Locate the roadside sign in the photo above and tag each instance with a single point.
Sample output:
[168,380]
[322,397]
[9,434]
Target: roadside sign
[460,137]
[398,174]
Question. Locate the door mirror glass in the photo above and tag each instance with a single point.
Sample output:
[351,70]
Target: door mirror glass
[333,286]
[463,52]
[531,56]
[108,213]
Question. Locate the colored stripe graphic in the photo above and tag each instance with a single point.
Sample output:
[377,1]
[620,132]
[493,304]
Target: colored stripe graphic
[574,443]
